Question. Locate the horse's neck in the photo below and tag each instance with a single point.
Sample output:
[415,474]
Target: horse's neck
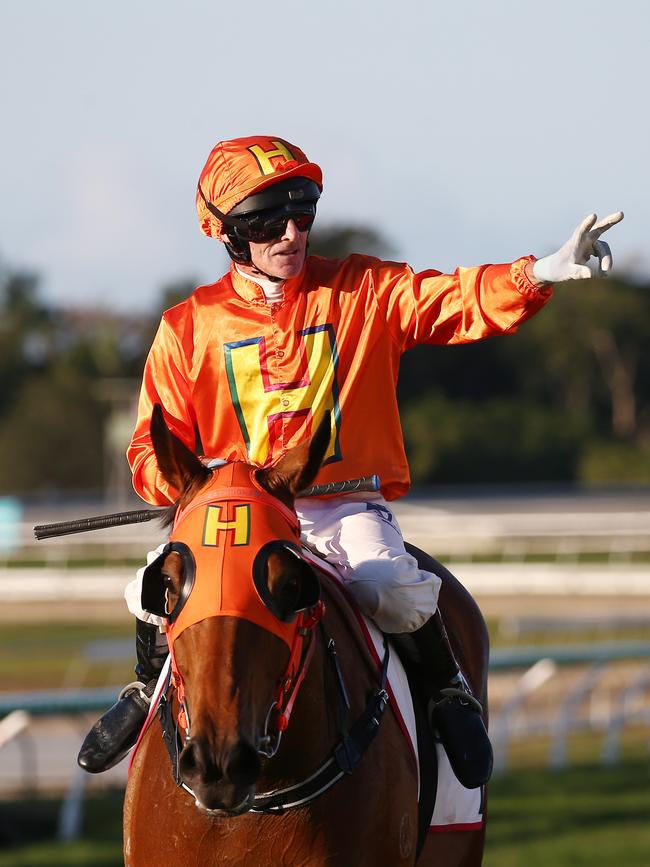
[316,723]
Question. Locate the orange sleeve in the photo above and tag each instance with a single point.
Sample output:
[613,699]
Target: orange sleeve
[468,305]
[165,382]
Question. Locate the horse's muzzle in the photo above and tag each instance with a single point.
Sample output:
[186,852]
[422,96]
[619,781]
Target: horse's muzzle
[222,813]
[225,785]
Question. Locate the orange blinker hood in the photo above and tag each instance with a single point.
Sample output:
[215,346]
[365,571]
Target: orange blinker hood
[224,537]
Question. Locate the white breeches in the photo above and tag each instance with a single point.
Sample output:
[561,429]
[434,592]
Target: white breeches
[358,534]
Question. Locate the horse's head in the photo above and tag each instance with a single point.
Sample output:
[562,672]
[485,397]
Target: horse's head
[236,595]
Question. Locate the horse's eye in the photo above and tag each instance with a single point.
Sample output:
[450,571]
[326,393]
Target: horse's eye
[284,586]
[285,583]
[291,585]
[168,582]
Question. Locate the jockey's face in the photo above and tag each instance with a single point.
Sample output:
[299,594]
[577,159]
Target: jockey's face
[282,257]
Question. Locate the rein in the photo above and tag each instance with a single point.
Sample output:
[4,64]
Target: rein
[345,756]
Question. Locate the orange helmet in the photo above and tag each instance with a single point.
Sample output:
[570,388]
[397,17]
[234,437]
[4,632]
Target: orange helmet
[241,168]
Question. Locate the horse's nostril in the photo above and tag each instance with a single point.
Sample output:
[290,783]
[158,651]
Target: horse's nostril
[196,763]
[243,766]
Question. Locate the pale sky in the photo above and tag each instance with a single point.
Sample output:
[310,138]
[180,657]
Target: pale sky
[467,133]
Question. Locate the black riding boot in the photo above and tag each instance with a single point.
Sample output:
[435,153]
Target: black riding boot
[455,713]
[112,736]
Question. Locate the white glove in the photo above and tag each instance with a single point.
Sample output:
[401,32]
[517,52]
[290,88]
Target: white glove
[570,261]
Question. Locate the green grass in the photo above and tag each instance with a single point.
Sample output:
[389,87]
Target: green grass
[584,749]
[66,562]
[500,636]
[90,560]
[39,655]
[584,816]
[604,557]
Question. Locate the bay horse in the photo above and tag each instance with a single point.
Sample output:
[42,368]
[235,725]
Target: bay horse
[258,697]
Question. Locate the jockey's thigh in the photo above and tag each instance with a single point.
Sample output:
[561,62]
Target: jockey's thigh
[359,534]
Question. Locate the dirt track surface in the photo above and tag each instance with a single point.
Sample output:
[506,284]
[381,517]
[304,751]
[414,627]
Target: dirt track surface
[26,612]
[492,607]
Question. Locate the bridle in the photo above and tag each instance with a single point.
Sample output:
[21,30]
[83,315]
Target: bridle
[342,760]
[279,712]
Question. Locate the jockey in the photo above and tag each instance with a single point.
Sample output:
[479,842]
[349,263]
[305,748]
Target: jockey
[246,367]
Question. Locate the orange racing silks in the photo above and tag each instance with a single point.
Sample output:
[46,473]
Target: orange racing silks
[248,381]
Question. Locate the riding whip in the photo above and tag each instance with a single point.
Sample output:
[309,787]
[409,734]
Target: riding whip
[139,516]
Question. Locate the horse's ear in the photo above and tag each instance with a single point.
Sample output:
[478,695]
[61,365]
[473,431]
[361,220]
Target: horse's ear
[298,468]
[179,466]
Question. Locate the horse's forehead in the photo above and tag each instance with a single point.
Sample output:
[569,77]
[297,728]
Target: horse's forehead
[219,536]
[231,482]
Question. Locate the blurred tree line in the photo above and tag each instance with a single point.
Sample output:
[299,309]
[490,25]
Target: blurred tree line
[566,399]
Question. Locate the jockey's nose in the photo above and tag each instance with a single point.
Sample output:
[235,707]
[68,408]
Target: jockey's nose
[292,232]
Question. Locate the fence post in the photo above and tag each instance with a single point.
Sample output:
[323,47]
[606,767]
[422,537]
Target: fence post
[558,753]
[531,680]
[71,813]
[612,741]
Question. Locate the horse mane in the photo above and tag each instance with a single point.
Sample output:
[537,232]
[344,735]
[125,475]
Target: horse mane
[168,516]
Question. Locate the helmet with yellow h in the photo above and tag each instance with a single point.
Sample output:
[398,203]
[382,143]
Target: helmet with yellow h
[251,187]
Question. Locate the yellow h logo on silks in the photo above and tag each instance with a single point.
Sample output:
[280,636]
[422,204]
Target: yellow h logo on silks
[263,407]
[264,157]
[240,526]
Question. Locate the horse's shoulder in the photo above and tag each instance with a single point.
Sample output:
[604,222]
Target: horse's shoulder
[343,620]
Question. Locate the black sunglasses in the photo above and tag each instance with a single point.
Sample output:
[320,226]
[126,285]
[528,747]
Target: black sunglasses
[261,226]
[266,225]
